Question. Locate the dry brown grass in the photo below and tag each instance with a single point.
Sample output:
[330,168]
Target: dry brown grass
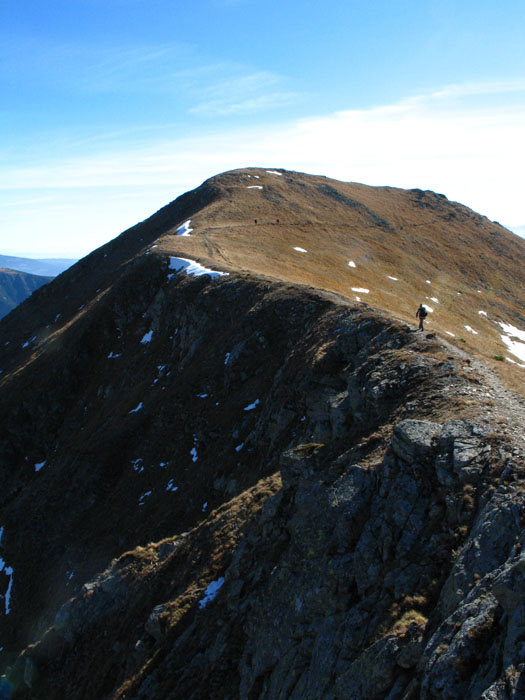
[472,263]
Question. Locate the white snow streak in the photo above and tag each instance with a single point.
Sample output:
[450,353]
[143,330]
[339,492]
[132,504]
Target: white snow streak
[193,268]
[147,338]
[211,592]
[136,410]
[512,331]
[144,495]
[28,342]
[252,405]
[351,263]
[436,301]
[274,172]
[482,313]
[300,250]
[185,229]
[361,290]
[8,571]
[392,278]
[449,333]
[194,455]
[471,330]
[255,187]
[227,358]
[39,466]
[515,347]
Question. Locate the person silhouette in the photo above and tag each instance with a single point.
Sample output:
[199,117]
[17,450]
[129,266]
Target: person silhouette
[421,313]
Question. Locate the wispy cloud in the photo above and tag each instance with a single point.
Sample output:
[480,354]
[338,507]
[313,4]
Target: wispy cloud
[244,93]
[472,152]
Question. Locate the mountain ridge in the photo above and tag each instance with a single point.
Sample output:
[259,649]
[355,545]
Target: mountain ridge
[249,486]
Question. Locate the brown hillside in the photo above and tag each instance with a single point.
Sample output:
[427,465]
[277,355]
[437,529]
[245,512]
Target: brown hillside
[473,264]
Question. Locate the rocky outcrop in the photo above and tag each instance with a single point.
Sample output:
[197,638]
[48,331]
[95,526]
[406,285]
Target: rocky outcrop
[234,487]
[381,556]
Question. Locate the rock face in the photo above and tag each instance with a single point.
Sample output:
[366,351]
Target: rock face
[234,487]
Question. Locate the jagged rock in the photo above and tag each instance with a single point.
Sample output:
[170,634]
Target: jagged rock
[155,625]
[30,673]
[412,439]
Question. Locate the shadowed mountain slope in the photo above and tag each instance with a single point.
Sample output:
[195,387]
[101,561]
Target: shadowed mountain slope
[17,286]
[252,485]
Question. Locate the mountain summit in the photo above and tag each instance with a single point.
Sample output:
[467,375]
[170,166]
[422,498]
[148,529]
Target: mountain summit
[231,466]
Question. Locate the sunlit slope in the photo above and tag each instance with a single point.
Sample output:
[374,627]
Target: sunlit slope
[403,246]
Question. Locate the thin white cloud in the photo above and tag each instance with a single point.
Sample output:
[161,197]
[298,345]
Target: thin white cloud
[242,94]
[473,153]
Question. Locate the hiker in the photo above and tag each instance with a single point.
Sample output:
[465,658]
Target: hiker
[421,313]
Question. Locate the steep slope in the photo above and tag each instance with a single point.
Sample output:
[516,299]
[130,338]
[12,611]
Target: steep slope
[17,286]
[296,495]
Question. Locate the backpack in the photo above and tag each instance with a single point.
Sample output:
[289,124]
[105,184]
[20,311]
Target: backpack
[422,312]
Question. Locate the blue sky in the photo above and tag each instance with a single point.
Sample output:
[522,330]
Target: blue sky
[112,108]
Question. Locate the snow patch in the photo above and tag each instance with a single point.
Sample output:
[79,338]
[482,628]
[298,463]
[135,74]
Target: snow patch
[239,447]
[255,187]
[143,497]
[428,308]
[361,290]
[8,571]
[428,281]
[471,330]
[185,229]
[436,301]
[449,333]
[147,338]
[515,347]
[512,330]
[39,466]
[28,342]
[274,172]
[113,356]
[139,408]
[392,278]
[171,487]
[193,268]
[252,405]
[482,313]
[204,506]
[227,358]
[300,250]
[358,298]
[351,263]
[202,396]
[137,465]
[210,592]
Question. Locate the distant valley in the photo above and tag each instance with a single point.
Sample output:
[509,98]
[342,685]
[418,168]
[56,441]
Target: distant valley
[20,277]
